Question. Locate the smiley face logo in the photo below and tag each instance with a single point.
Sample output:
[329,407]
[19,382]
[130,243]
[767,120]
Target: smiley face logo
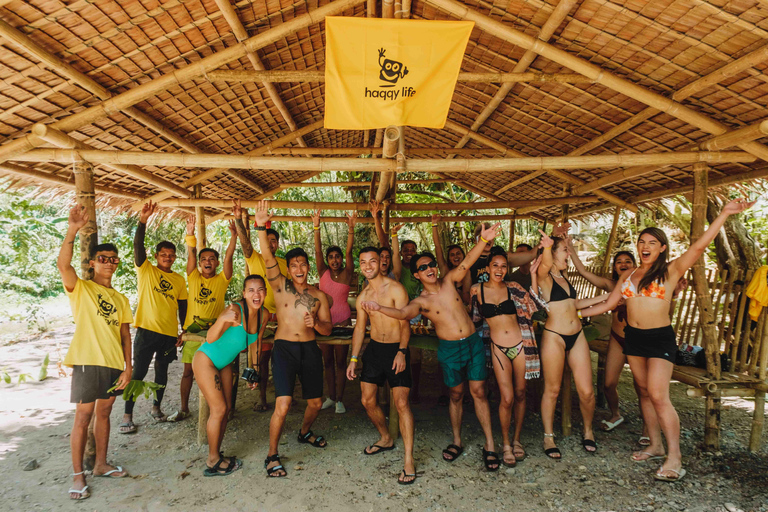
[205,292]
[391,70]
[165,285]
[105,308]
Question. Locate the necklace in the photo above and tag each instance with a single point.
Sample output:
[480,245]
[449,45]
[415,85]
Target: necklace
[556,277]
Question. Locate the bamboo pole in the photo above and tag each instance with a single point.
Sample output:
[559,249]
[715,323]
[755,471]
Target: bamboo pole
[519,181]
[611,240]
[369,220]
[182,75]
[389,145]
[725,392]
[318,76]
[370,151]
[736,137]
[44,177]
[364,184]
[212,160]
[203,409]
[718,182]
[756,434]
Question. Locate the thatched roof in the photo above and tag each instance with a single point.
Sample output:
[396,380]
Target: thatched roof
[710,59]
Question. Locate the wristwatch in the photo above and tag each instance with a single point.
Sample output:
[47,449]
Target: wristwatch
[403,350]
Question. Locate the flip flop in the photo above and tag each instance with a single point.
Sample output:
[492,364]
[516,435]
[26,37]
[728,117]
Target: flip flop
[380,449]
[127,428]
[680,474]
[404,475]
[644,441]
[650,456]
[587,444]
[108,474]
[178,416]
[84,493]
[612,425]
[159,417]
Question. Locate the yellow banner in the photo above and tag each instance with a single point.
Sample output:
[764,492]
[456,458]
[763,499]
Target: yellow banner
[381,72]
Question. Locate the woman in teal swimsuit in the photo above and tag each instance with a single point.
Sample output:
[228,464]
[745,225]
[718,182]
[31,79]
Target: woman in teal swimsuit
[239,326]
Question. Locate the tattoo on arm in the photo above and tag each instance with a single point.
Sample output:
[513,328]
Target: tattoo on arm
[245,242]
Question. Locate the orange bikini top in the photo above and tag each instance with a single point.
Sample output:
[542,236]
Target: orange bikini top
[653,290]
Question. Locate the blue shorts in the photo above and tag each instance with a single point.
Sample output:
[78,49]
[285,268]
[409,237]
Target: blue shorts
[462,360]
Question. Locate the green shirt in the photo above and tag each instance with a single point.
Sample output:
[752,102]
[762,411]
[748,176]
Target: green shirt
[411,284]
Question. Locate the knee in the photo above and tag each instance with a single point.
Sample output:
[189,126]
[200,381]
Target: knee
[611,384]
[314,404]
[642,391]
[82,421]
[218,411]
[456,395]
[478,392]
[281,409]
[658,397]
[520,396]
[401,403]
[586,394]
[369,402]
[507,398]
[188,373]
[551,392]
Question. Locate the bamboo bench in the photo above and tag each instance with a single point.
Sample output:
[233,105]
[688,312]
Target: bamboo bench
[745,372]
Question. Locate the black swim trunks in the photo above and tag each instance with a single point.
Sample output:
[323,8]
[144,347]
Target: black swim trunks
[302,358]
[378,359]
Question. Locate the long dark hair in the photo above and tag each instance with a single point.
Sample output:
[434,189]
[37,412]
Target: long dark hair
[615,276]
[389,267]
[244,303]
[449,249]
[658,271]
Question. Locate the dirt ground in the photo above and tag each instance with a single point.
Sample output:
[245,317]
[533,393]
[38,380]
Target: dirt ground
[166,464]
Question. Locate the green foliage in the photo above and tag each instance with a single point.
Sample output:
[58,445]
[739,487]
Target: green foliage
[135,388]
[44,368]
[24,377]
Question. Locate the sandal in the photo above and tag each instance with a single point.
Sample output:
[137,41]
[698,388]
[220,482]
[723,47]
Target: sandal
[508,449]
[587,444]
[519,455]
[83,493]
[664,478]
[271,471]
[490,459]
[610,425]
[127,428]
[378,448]
[178,416]
[108,474]
[644,441]
[217,470]
[402,478]
[648,456]
[453,452]
[551,452]
[319,441]
[158,417]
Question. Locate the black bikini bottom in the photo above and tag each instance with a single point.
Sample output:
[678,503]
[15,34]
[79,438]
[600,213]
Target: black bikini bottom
[569,339]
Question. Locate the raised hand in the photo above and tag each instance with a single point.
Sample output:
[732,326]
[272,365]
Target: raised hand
[375,208]
[490,233]
[561,229]
[394,228]
[232,228]
[738,205]
[370,306]
[78,217]
[545,240]
[261,214]
[316,218]
[147,211]
[191,225]
[237,210]
[535,265]
[352,219]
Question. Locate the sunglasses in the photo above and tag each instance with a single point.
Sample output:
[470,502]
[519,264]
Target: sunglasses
[422,268]
[108,259]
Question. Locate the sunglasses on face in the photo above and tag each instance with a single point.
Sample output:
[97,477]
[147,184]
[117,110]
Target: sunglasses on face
[108,259]
[422,268]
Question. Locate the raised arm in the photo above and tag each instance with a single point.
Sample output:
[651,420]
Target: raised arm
[601,282]
[77,219]
[321,266]
[585,303]
[487,236]
[697,248]
[229,317]
[610,302]
[191,247]
[408,312]
[261,216]
[375,209]
[517,259]
[546,257]
[242,229]
[358,336]
[397,263]
[441,263]
[349,263]
[230,254]
[139,251]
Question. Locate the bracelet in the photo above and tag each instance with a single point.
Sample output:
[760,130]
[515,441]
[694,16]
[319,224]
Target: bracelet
[353,359]
[547,248]
[316,228]
[434,225]
[351,232]
[578,313]
[394,235]
[190,240]
[261,228]
[484,240]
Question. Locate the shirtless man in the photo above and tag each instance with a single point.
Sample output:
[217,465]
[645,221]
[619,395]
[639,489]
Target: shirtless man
[301,310]
[386,358]
[461,353]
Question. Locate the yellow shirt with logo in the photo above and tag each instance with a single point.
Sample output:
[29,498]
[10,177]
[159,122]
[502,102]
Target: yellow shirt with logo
[256,265]
[159,296]
[206,296]
[99,313]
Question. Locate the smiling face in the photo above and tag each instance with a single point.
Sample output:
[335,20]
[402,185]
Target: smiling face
[455,257]
[272,243]
[254,293]
[650,248]
[165,258]
[623,263]
[335,261]
[498,268]
[429,274]
[407,252]
[560,255]
[102,265]
[208,263]
[370,266]
[298,268]
[385,259]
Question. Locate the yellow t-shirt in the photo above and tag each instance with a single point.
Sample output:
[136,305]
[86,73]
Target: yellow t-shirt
[206,296]
[256,265]
[99,312]
[159,296]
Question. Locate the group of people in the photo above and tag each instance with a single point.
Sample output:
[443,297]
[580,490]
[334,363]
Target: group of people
[481,313]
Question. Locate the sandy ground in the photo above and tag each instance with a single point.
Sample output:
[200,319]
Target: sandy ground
[167,464]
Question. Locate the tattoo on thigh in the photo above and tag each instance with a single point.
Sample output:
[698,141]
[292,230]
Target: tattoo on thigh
[217,381]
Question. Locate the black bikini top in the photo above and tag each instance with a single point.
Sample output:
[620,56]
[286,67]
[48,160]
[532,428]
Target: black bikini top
[558,293]
[491,310]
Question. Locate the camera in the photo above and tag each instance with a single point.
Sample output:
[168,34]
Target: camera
[250,375]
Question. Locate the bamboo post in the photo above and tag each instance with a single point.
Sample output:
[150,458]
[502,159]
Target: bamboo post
[755,437]
[611,241]
[512,233]
[203,411]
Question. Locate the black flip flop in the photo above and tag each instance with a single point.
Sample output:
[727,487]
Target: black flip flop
[551,451]
[380,449]
[454,452]
[589,443]
[403,474]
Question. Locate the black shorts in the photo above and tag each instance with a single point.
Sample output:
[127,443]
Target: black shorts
[90,383]
[147,344]
[660,343]
[378,359]
[302,358]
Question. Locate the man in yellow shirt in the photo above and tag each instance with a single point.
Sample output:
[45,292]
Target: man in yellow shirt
[255,265]
[207,290]
[100,352]
[162,296]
